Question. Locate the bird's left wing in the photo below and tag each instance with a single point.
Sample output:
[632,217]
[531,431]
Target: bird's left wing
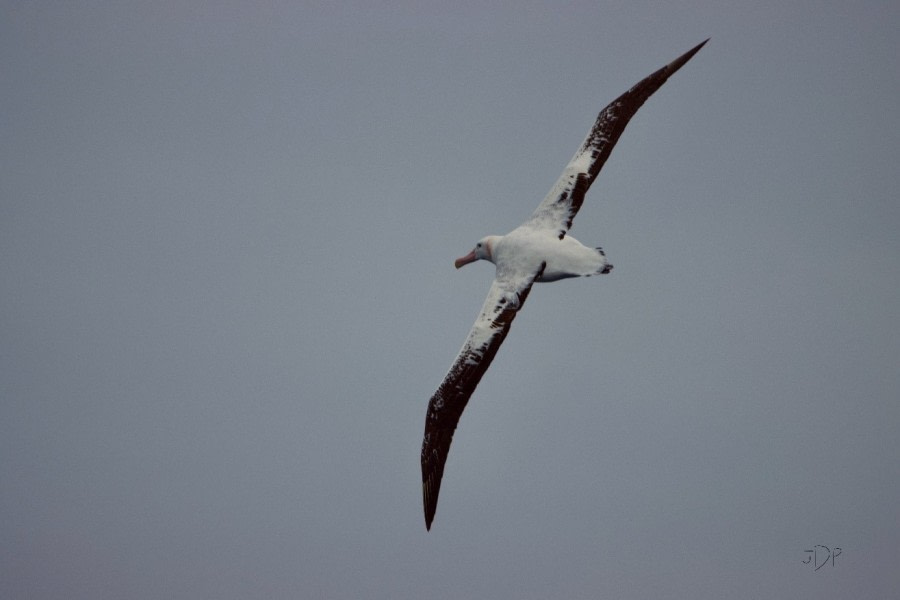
[561,205]
[504,300]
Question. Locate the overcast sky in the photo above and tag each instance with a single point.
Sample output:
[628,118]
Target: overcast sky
[227,234]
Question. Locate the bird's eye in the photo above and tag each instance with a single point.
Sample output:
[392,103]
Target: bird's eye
[478,245]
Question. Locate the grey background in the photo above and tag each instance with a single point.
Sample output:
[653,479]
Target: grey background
[227,293]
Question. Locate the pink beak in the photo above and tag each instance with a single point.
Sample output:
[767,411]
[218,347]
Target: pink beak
[464,260]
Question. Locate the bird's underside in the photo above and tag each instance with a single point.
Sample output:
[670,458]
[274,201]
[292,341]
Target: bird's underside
[538,250]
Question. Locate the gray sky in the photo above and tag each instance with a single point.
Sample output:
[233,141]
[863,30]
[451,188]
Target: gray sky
[227,234]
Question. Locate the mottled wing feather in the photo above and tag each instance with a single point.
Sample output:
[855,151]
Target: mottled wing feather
[561,205]
[504,300]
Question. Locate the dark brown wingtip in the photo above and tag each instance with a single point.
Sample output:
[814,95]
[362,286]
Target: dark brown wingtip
[430,504]
[679,62]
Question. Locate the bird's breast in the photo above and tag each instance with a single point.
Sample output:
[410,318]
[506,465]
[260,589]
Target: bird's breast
[524,252]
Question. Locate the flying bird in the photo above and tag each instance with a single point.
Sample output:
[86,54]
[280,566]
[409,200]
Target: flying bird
[539,250]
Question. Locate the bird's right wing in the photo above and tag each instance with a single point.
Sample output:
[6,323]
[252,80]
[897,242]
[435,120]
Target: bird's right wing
[504,300]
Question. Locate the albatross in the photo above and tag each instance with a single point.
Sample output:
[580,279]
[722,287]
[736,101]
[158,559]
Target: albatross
[539,250]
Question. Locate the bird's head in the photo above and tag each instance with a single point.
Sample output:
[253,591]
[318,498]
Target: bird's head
[483,250]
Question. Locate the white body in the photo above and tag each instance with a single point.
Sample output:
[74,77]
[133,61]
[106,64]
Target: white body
[525,248]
